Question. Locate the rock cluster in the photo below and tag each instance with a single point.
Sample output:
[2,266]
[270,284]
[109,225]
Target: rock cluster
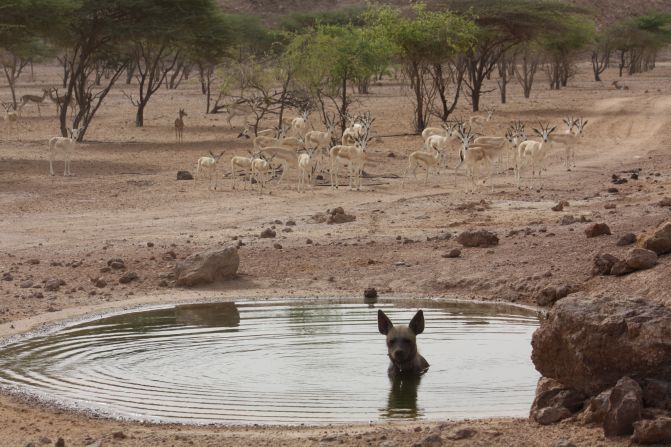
[479,238]
[608,361]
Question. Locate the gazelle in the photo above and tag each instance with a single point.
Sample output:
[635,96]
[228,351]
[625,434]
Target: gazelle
[299,125]
[66,145]
[481,119]
[533,152]
[446,128]
[569,139]
[58,100]
[473,157]
[236,109]
[284,156]
[242,164]
[428,160]
[306,166]
[261,171]
[356,129]
[355,156]
[26,99]
[179,126]
[208,166]
[321,141]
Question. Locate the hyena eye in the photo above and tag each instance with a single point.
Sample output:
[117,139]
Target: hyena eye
[391,342]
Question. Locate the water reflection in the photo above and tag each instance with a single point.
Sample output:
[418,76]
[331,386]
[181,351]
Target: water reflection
[208,315]
[402,400]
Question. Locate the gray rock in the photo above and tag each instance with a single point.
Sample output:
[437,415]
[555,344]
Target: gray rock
[564,443]
[52,285]
[551,399]
[26,284]
[641,258]
[207,267]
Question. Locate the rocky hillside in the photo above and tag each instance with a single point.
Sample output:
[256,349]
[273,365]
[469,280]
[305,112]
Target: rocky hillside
[606,10]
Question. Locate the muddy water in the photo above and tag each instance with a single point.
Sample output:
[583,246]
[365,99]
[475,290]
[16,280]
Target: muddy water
[285,363]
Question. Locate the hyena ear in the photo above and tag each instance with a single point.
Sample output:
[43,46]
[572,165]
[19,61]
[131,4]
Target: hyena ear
[417,323]
[384,324]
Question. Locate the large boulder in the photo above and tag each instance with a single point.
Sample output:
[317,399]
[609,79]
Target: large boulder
[660,240]
[589,344]
[207,267]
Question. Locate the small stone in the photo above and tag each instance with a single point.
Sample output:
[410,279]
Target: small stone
[290,223]
[60,443]
[33,261]
[100,283]
[150,244]
[610,206]
[454,253]
[655,431]
[432,441]
[26,284]
[462,433]
[666,201]
[308,241]
[567,219]
[626,239]
[37,295]
[7,277]
[117,265]
[564,443]
[268,233]
[624,408]
[560,206]
[45,440]
[52,285]
[603,263]
[620,268]
[551,415]
[370,293]
[277,245]
[287,230]
[613,190]
[119,435]
[597,229]
[128,277]
[184,175]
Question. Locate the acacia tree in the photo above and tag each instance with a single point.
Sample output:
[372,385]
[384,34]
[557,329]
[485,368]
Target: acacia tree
[602,49]
[331,57]
[638,40]
[501,26]
[563,45]
[423,43]
[22,35]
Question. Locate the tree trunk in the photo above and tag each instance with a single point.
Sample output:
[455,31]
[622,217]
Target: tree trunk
[139,115]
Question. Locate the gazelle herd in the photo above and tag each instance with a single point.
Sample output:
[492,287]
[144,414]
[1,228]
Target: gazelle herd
[307,151]
[478,154]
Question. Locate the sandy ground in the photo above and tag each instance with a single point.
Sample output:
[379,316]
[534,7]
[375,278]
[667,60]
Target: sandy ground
[125,195]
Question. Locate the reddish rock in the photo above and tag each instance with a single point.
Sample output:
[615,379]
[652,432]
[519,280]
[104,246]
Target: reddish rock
[625,404]
[660,240]
[589,344]
[655,431]
[480,238]
[597,229]
[207,267]
[641,258]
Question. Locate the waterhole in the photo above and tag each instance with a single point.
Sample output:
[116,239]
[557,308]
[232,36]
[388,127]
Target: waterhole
[282,363]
